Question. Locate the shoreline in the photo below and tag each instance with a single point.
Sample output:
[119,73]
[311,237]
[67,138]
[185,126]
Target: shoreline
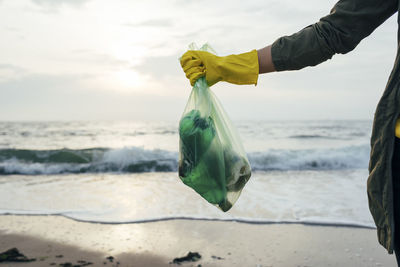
[188,218]
[220,243]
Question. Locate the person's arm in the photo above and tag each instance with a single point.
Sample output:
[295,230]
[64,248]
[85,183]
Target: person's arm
[349,22]
[265,63]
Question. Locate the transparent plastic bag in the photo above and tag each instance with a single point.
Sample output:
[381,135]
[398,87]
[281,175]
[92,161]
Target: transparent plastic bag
[212,159]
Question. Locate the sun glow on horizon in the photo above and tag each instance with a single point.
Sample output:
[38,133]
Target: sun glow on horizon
[128,79]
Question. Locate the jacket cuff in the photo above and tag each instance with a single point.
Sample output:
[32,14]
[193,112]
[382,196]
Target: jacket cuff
[278,59]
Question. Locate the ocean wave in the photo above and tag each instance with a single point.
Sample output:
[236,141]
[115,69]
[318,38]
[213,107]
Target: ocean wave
[126,160]
[137,159]
[351,157]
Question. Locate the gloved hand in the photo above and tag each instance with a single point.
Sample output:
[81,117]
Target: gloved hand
[237,69]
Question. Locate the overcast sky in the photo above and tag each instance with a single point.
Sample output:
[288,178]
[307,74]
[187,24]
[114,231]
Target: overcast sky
[105,60]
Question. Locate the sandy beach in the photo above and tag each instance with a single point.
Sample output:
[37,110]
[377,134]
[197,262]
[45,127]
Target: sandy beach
[59,241]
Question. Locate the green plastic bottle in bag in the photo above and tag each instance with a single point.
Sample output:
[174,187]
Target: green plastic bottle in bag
[212,159]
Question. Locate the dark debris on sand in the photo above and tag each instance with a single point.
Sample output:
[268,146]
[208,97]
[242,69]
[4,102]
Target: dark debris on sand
[80,263]
[111,259]
[13,255]
[191,256]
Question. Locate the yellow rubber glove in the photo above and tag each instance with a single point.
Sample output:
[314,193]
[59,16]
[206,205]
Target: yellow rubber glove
[397,129]
[237,69]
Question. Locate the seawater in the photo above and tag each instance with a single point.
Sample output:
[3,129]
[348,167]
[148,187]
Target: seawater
[119,172]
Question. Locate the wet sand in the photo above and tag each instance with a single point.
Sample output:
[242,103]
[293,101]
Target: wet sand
[59,241]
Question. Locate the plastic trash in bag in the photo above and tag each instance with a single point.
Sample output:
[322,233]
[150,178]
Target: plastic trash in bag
[212,159]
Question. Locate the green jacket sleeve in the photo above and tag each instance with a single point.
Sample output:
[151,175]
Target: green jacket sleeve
[348,23]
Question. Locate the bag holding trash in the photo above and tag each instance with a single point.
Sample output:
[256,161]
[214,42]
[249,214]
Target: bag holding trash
[212,159]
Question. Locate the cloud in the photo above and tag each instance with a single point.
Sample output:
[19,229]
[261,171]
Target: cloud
[53,6]
[66,97]
[160,66]
[9,71]
[99,59]
[11,29]
[32,82]
[11,67]
[57,3]
[36,90]
[147,47]
[152,23]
